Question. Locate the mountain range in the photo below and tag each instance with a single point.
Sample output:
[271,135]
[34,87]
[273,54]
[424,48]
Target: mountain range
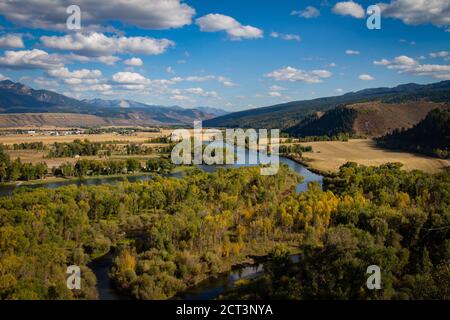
[21,105]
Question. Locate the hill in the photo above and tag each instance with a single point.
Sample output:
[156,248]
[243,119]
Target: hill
[289,115]
[370,119]
[18,100]
[430,136]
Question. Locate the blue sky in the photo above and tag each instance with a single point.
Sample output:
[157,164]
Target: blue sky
[231,54]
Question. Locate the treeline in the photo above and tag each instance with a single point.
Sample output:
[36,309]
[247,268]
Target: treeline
[431,136]
[85,167]
[29,146]
[383,216]
[75,148]
[294,148]
[18,171]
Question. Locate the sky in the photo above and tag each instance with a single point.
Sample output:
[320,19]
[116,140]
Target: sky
[229,54]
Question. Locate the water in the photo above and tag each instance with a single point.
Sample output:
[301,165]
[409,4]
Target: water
[212,287]
[8,190]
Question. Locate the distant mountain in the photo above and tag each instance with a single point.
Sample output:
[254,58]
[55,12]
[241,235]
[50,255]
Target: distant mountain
[17,99]
[215,111]
[289,115]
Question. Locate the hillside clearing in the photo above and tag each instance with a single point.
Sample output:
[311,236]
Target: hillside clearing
[330,155]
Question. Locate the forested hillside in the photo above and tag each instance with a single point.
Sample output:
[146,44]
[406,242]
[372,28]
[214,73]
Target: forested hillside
[287,115]
[430,136]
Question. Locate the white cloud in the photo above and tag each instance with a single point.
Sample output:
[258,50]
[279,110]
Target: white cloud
[235,30]
[416,12]
[43,82]
[108,60]
[11,41]
[130,78]
[197,78]
[79,74]
[339,90]
[98,44]
[226,81]
[51,14]
[2,77]
[366,77]
[287,37]
[277,88]
[134,62]
[201,92]
[170,70]
[274,94]
[349,8]
[351,52]
[30,59]
[308,13]
[382,62]
[440,54]
[405,64]
[76,77]
[296,75]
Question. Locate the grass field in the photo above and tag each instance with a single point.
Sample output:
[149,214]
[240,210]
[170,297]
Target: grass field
[138,137]
[330,155]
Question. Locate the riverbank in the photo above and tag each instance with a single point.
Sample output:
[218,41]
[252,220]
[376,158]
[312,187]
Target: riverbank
[300,160]
[49,180]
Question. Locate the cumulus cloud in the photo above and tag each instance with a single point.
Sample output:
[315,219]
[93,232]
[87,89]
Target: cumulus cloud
[11,41]
[415,12]
[75,77]
[274,94]
[30,59]
[226,81]
[134,62]
[440,54]
[296,75]
[287,37]
[130,78]
[349,8]
[43,82]
[235,30]
[405,64]
[366,77]
[308,13]
[51,14]
[98,44]
[200,92]
[108,60]
[350,52]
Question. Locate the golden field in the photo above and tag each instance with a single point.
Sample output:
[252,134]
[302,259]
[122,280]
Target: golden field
[330,155]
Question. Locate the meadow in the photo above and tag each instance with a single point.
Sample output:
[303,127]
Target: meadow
[330,155]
